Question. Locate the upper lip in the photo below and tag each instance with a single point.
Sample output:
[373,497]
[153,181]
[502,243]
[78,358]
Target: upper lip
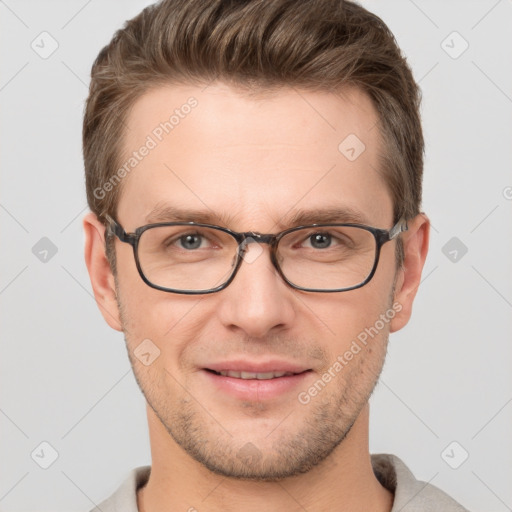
[240,365]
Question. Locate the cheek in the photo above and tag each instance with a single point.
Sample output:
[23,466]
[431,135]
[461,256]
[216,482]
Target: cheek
[345,316]
[357,317]
[166,321]
[170,324]
[143,309]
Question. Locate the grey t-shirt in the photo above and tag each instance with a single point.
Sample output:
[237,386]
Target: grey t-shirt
[411,495]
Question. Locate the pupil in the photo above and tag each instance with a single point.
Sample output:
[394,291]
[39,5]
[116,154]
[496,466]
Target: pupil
[320,241]
[190,241]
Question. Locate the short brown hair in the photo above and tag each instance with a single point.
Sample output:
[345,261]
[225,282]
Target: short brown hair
[320,45]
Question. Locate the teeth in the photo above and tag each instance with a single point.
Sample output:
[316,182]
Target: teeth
[254,375]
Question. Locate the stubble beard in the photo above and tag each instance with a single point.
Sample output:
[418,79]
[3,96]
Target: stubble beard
[293,448]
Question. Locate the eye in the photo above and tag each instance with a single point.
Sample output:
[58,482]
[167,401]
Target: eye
[190,241]
[320,240]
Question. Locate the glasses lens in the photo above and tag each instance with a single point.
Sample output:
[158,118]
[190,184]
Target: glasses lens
[327,257]
[187,257]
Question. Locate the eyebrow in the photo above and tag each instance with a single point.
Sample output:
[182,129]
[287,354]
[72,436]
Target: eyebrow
[329,215]
[169,213]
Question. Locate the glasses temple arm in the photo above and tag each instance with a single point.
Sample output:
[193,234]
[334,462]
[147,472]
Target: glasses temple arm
[115,229]
[398,228]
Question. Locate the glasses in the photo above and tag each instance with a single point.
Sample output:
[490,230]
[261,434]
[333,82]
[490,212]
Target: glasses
[194,258]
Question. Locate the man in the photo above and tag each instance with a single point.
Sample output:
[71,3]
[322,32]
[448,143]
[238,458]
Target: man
[254,174]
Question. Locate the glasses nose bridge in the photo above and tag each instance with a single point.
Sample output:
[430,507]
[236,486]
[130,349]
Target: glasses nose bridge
[252,237]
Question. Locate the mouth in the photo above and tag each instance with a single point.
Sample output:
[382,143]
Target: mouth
[253,375]
[250,382]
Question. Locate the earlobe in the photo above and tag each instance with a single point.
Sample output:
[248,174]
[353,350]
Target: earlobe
[415,243]
[100,273]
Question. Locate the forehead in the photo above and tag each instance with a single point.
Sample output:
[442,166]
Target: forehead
[252,159]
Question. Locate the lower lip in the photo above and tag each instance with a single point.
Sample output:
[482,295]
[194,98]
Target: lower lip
[254,389]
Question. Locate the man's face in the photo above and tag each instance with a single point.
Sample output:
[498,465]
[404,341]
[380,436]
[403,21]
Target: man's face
[251,164]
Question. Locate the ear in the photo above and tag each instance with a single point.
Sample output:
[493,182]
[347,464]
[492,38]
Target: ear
[100,273]
[415,243]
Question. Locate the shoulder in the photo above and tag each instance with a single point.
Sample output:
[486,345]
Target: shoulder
[411,495]
[124,498]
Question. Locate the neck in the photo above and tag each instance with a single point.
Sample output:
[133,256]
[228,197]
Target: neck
[343,482]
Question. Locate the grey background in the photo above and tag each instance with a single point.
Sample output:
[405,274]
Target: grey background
[65,376]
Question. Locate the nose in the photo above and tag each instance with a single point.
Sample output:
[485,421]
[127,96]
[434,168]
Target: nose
[257,301]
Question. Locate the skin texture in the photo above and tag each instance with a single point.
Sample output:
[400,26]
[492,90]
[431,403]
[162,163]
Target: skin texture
[252,162]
